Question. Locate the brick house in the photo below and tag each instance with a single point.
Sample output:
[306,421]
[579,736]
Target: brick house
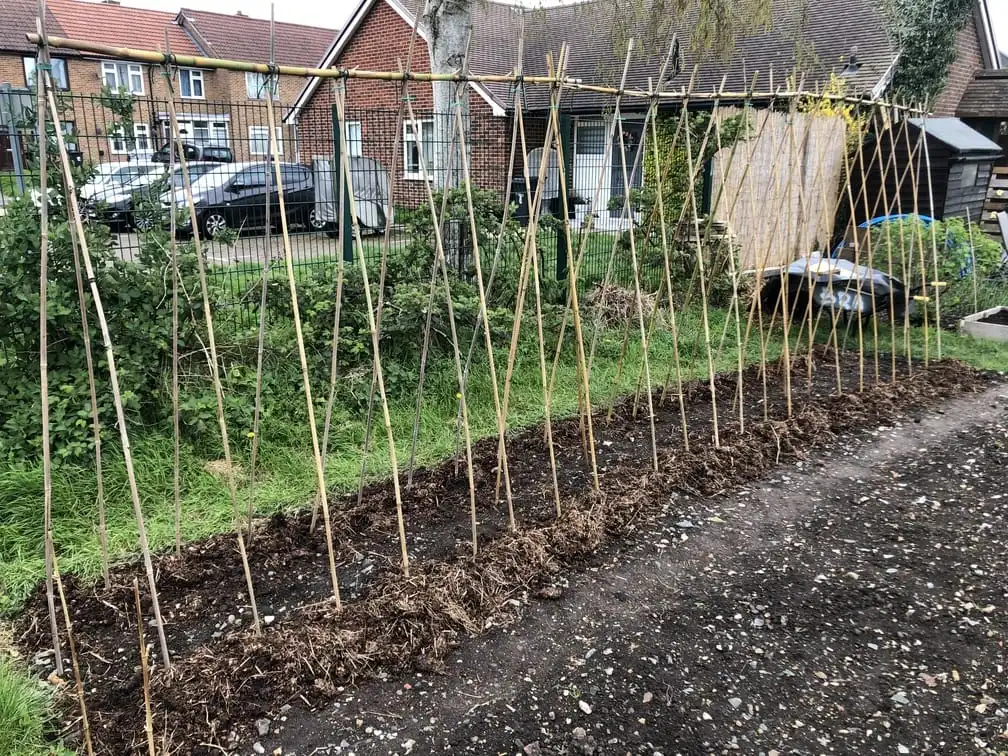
[976,51]
[214,107]
[378,34]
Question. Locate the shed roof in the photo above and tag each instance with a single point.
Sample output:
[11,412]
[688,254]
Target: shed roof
[986,96]
[957,135]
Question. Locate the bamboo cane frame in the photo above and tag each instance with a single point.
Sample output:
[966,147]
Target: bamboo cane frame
[261,335]
[43,141]
[936,284]
[78,680]
[440,264]
[499,406]
[75,214]
[321,490]
[175,390]
[530,253]
[375,345]
[973,266]
[144,673]
[212,357]
[541,343]
[195,61]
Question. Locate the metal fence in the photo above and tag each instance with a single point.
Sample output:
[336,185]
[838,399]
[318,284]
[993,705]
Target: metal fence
[125,158]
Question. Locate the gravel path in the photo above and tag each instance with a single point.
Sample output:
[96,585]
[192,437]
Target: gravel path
[851,603]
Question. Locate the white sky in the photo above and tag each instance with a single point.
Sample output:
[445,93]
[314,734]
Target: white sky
[333,13]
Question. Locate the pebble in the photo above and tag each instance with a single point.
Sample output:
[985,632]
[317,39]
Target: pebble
[262,726]
[585,707]
[900,698]
[735,702]
[258,747]
[579,733]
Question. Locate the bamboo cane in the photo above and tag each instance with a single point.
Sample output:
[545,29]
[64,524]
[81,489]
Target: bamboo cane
[261,336]
[936,284]
[75,215]
[547,398]
[438,220]
[871,260]
[502,460]
[734,303]
[574,273]
[195,61]
[529,251]
[144,673]
[673,325]
[78,680]
[705,315]
[320,491]
[371,321]
[93,397]
[973,265]
[43,141]
[924,297]
[213,359]
[441,264]
[638,298]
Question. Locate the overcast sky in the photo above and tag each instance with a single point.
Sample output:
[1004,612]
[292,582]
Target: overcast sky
[333,13]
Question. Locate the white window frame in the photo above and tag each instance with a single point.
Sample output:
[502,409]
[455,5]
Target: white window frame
[219,128]
[259,135]
[409,138]
[194,75]
[140,131]
[255,86]
[132,69]
[354,139]
[59,74]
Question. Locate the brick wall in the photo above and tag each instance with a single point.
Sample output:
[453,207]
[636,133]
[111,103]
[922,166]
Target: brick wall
[379,45]
[968,61]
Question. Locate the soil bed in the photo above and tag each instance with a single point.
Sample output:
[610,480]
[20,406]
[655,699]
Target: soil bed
[224,677]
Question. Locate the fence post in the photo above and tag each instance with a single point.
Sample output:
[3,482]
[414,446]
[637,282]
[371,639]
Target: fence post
[566,127]
[342,192]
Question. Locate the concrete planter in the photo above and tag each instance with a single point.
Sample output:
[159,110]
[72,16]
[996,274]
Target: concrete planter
[973,325]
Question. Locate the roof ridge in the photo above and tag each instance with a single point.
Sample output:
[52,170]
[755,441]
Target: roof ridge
[257,18]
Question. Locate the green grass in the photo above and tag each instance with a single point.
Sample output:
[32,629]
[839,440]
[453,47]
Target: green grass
[25,708]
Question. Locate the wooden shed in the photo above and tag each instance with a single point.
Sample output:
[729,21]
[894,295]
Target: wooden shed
[961,163]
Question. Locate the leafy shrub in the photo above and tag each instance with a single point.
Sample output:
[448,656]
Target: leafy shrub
[137,303]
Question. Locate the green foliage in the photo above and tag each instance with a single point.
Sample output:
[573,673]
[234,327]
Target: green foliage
[925,33]
[138,308]
[24,708]
[910,245]
[119,102]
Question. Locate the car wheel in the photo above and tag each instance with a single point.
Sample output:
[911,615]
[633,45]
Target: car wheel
[315,222]
[214,223]
[143,223]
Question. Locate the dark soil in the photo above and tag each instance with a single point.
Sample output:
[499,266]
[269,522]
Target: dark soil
[224,677]
[998,318]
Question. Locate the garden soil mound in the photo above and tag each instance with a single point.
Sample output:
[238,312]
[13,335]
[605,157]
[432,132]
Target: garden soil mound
[224,676]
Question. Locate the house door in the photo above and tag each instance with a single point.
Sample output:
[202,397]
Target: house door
[592,166]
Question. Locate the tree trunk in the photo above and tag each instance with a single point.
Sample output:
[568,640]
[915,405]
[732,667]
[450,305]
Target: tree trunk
[449,26]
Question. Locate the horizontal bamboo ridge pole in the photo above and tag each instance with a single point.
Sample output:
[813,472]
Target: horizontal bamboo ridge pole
[675,95]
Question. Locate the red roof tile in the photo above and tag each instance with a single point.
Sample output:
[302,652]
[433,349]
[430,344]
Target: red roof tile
[121,25]
[240,37]
[17,18]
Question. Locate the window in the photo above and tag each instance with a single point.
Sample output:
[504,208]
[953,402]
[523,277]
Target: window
[252,178]
[128,76]
[119,145]
[412,168]
[354,142]
[59,72]
[256,86]
[191,83]
[969,175]
[259,143]
[199,131]
[591,137]
[141,132]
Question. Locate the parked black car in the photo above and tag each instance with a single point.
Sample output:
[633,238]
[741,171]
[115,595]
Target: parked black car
[208,152]
[233,196]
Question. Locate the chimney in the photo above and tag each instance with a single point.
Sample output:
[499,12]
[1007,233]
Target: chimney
[110,2]
[237,13]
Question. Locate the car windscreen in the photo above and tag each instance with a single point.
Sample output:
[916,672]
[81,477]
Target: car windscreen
[214,178]
[128,174]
